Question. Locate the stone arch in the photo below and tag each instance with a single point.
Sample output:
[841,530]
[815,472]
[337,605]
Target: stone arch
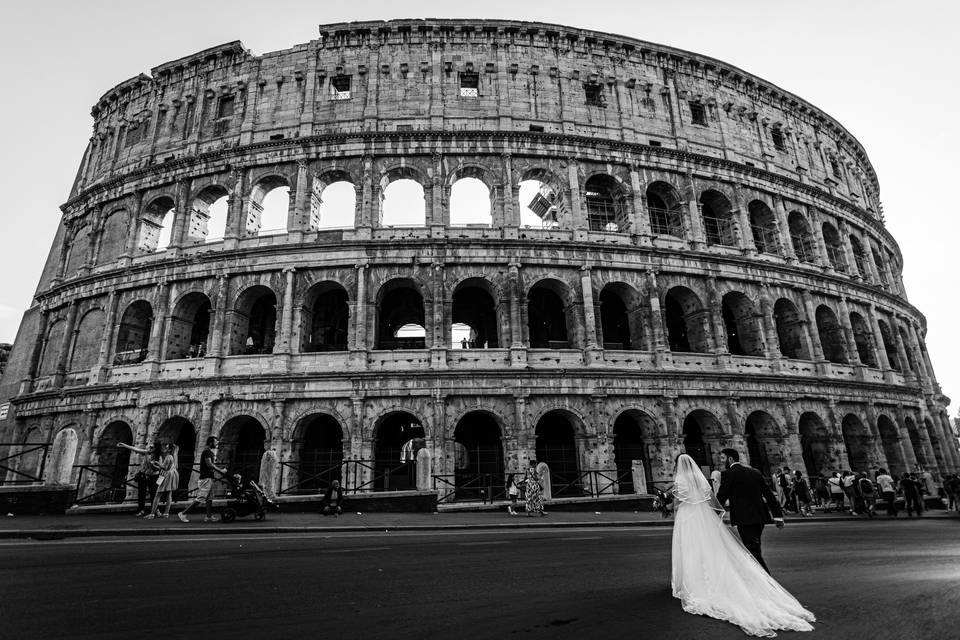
[702,433]
[890,346]
[790,330]
[857,438]
[415,213]
[718,221]
[916,443]
[479,459]
[835,252]
[208,213]
[398,435]
[814,443]
[763,439]
[551,317]
[78,252]
[475,304]
[937,446]
[763,226]
[266,216]
[687,321]
[620,317]
[863,339]
[325,317]
[156,224]
[189,327]
[605,201]
[86,347]
[133,333]
[634,436]
[181,432]
[340,189]
[60,460]
[113,235]
[401,315]
[742,324]
[317,449]
[556,446]
[32,460]
[540,198]
[242,445]
[54,343]
[112,463]
[859,256]
[467,182]
[831,335]
[253,321]
[804,244]
[665,209]
[890,439]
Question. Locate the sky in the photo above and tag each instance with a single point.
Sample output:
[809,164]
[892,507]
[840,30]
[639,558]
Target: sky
[885,69]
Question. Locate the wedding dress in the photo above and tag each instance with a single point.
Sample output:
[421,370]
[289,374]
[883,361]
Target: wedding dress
[714,574]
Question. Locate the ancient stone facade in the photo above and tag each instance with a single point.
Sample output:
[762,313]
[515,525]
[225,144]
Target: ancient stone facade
[707,266]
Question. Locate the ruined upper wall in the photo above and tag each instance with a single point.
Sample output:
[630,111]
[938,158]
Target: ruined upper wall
[408,75]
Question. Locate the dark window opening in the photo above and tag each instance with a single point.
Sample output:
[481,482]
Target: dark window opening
[556,447]
[536,128]
[546,320]
[594,93]
[399,437]
[777,134]
[469,84]
[656,143]
[327,320]
[225,108]
[614,321]
[835,168]
[604,211]
[698,113]
[401,320]
[340,87]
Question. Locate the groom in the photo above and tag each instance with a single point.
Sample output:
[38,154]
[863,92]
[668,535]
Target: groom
[751,502]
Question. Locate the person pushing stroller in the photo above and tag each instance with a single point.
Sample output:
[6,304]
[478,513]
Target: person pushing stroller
[205,485]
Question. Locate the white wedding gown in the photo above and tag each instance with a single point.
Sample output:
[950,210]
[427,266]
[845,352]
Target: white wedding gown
[714,574]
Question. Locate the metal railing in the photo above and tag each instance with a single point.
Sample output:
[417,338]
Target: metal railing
[764,238]
[380,475]
[837,259]
[22,476]
[130,356]
[719,231]
[322,476]
[481,487]
[803,247]
[115,491]
[665,222]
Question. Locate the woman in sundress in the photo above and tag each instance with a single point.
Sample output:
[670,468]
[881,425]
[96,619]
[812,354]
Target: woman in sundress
[533,484]
[168,481]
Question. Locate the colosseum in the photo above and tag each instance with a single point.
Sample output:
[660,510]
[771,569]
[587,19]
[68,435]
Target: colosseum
[415,254]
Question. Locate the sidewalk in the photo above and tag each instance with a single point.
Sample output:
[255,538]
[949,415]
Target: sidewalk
[57,527]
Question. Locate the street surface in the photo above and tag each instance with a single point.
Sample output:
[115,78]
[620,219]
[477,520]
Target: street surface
[864,580]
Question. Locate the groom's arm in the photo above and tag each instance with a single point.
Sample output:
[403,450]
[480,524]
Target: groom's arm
[724,491]
[772,503]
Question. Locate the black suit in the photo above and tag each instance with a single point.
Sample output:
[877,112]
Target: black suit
[751,502]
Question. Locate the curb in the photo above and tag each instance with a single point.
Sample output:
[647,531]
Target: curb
[60,534]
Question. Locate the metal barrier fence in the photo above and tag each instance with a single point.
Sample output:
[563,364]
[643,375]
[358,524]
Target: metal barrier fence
[308,475]
[10,463]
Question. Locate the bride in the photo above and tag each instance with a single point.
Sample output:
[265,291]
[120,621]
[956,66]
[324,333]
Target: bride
[714,574]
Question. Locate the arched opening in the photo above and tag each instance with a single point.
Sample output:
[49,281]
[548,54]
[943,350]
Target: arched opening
[936,445]
[78,252]
[744,333]
[605,206]
[51,349]
[831,335]
[834,245]
[253,325]
[632,431]
[180,431]
[335,206]
[801,237]
[156,225]
[881,267]
[86,348]
[539,200]
[189,327]
[790,330]
[546,316]
[857,439]
[113,464]
[318,445]
[402,203]
[557,448]
[717,217]
[763,438]
[31,455]
[475,312]
[889,346]
[479,457]
[697,427]
[269,207]
[763,225]
[890,438]
[905,341]
[133,334]
[814,444]
[63,452]
[687,321]
[326,318]
[859,256]
[919,453]
[665,209]
[620,322]
[401,321]
[113,238]
[399,437]
[241,447]
[470,203]
[208,215]
[862,337]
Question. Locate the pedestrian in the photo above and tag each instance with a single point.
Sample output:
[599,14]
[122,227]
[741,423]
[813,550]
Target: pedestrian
[167,481]
[146,476]
[205,484]
[866,494]
[927,484]
[786,483]
[888,489]
[911,494]
[533,484]
[847,481]
[835,487]
[953,492]
[801,492]
[333,499]
[513,492]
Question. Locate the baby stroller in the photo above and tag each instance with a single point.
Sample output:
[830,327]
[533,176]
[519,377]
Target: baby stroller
[663,502]
[245,500]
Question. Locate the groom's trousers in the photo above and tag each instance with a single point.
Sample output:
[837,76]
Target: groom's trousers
[750,534]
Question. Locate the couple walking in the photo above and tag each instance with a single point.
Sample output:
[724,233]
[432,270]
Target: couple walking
[714,573]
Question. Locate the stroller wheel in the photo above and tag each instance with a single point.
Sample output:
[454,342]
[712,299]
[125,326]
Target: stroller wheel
[229,515]
[259,516]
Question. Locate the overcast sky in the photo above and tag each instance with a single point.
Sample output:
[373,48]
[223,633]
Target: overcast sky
[885,69]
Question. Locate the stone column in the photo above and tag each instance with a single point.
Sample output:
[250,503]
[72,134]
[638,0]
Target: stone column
[593,352]
[852,354]
[366,202]
[908,372]
[236,209]
[812,331]
[771,339]
[66,346]
[130,247]
[218,330]
[878,341]
[106,340]
[518,348]
[159,326]
[715,311]
[580,223]
[696,236]
[658,331]
[286,318]
[39,342]
[511,212]
[181,217]
[299,215]
[783,219]
[844,232]
[742,218]
[358,354]
[639,220]
[438,348]
[816,224]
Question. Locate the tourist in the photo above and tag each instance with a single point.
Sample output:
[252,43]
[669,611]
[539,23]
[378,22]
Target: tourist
[801,493]
[952,486]
[167,481]
[911,494]
[533,484]
[205,484]
[785,479]
[835,487]
[513,492]
[866,495]
[847,481]
[888,489]
[146,476]
[333,499]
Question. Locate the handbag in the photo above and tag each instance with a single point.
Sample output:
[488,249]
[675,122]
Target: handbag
[160,479]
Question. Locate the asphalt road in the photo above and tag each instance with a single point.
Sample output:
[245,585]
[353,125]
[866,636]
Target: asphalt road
[864,580]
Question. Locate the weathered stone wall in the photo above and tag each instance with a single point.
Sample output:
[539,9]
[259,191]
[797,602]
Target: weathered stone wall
[770,315]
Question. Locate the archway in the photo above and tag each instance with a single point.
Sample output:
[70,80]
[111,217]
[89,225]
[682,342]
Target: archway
[326,318]
[857,439]
[814,444]
[479,456]
[398,438]
[764,228]
[717,215]
[269,206]
[402,203]
[802,238]
[605,205]
[744,333]
[400,310]
[189,327]
[633,432]
[687,321]
[557,448]
[831,335]
[113,463]
[470,202]
[790,330]
[863,339]
[318,446]
[700,428]
[620,322]
[63,451]
[546,316]
[762,435]
[474,307]
[335,206]
[133,334]
[241,449]
[208,215]
[665,210]
[919,453]
[254,322]
[181,432]
[890,438]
